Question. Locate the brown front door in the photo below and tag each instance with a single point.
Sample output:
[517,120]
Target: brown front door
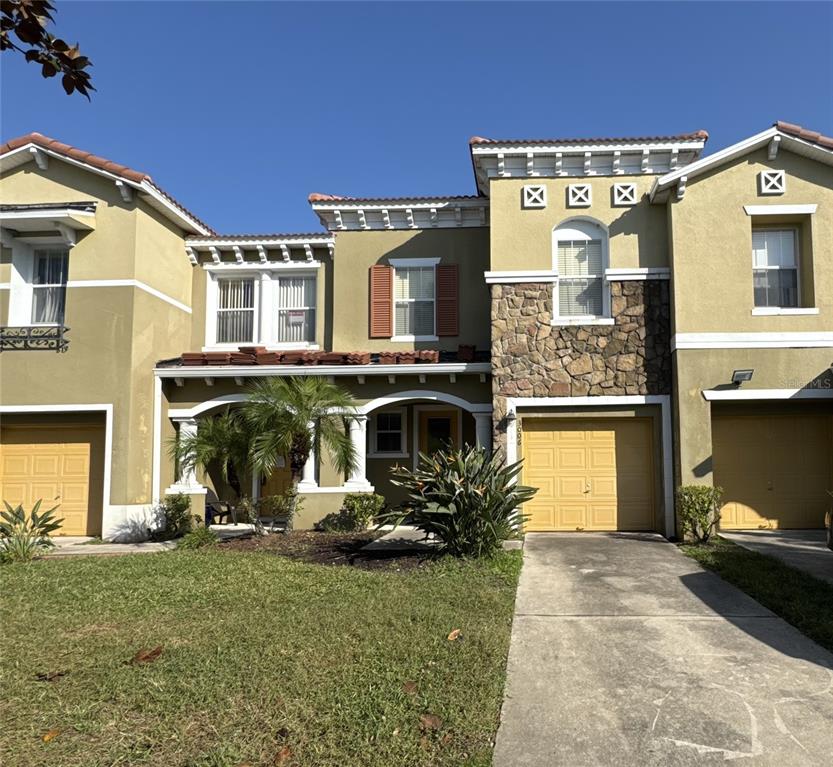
[437,430]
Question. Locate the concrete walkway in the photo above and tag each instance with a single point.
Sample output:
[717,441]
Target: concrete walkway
[626,652]
[802,549]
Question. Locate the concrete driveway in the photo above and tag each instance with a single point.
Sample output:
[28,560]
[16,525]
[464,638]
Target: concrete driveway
[626,652]
[803,549]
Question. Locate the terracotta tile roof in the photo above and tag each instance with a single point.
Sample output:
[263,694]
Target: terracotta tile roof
[699,135]
[808,135]
[101,163]
[318,197]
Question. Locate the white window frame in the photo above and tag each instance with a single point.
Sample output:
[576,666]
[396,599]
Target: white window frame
[22,277]
[264,300]
[570,231]
[403,434]
[410,263]
[272,309]
[797,268]
[36,253]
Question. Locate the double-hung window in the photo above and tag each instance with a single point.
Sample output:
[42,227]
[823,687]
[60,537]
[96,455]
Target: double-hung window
[775,267]
[235,310]
[414,300]
[49,287]
[295,297]
[388,433]
[579,260]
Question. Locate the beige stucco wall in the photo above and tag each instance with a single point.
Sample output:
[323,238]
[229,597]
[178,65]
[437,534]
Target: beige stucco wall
[521,239]
[699,369]
[356,252]
[712,245]
[116,333]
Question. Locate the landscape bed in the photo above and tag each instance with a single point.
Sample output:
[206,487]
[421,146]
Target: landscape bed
[264,660]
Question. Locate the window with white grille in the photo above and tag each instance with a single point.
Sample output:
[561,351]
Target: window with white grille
[414,296]
[295,297]
[388,433]
[235,310]
[775,267]
[580,259]
[49,287]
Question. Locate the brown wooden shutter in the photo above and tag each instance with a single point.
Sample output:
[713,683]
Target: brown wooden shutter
[448,301]
[381,301]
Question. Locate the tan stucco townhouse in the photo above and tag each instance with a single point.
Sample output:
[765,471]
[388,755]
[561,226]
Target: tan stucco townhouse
[623,314]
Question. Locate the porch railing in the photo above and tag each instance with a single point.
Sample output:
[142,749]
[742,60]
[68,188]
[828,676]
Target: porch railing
[50,338]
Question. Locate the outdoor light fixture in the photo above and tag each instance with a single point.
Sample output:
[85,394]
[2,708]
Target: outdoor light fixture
[739,376]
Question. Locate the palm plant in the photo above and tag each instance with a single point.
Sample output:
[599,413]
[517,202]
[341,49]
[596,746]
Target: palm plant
[279,413]
[223,440]
[23,537]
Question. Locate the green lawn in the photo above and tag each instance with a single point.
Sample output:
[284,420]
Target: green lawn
[265,661]
[800,599]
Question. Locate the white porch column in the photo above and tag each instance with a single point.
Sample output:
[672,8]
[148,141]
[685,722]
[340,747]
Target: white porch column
[308,481]
[483,431]
[186,481]
[358,436]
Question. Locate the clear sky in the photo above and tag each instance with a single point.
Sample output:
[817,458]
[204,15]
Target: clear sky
[242,109]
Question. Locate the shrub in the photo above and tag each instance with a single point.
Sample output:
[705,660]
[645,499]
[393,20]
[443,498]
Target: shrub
[281,507]
[699,510]
[197,538]
[469,501]
[174,517]
[358,511]
[23,537]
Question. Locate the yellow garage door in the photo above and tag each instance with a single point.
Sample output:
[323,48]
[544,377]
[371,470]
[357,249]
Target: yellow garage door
[590,474]
[774,470]
[57,465]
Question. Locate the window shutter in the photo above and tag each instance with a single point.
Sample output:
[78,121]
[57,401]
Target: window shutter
[448,302]
[381,301]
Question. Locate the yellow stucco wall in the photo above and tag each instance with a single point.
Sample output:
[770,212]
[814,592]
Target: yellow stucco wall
[521,239]
[712,245]
[356,252]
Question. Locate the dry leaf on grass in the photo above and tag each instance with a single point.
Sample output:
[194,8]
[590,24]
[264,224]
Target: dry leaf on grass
[428,722]
[454,635]
[51,735]
[283,756]
[146,656]
[410,688]
[50,676]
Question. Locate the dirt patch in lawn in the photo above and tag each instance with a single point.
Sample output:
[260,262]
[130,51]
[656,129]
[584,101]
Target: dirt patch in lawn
[342,549]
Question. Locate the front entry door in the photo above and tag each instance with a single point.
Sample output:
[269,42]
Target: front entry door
[437,430]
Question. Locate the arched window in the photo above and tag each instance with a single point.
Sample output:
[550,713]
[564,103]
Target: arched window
[579,260]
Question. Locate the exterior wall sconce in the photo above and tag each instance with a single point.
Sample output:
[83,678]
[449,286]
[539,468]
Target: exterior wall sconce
[741,376]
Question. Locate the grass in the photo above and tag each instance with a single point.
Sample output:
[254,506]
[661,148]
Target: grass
[800,599]
[265,661]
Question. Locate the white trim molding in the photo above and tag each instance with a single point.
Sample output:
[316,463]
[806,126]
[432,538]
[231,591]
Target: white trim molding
[734,395]
[508,277]
[755,340]
[780,210]
[577,403]
[771,311]
[404,263]
[388,400]
[130,284]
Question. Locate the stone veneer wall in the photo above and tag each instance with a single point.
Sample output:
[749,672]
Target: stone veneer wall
[533,358]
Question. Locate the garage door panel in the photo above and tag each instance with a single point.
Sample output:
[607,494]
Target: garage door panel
[601,478]
[774,469]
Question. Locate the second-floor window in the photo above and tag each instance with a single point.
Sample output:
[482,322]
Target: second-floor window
[49,287]
[235,310]
[413,294]
[775,267]
[581,292]
[295,301]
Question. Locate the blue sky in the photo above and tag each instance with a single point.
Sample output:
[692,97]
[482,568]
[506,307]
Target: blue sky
[241,109]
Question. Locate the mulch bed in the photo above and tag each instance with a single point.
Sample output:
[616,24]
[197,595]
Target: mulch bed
[342,549]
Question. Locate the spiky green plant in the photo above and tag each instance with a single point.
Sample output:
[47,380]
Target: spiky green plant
[467,500]
[22,536]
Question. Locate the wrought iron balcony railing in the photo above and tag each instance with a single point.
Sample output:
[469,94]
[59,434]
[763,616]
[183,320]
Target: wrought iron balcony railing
[51,338]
